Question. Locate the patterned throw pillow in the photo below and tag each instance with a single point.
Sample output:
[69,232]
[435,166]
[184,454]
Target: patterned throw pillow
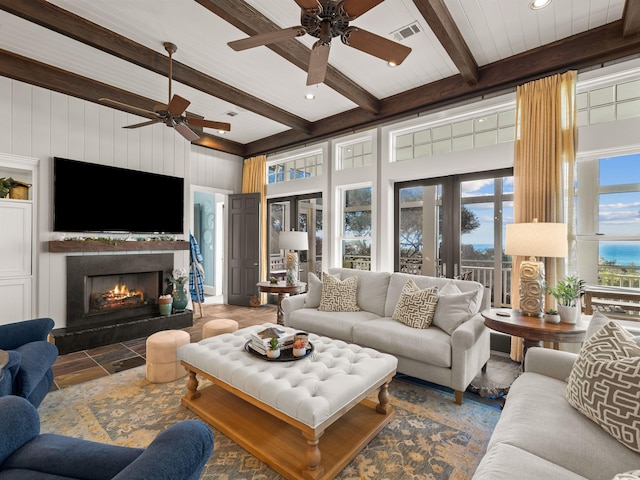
[603,384]
[416,307]
[338,295]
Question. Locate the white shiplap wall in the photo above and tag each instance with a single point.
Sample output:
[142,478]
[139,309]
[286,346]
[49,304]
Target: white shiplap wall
[39,123]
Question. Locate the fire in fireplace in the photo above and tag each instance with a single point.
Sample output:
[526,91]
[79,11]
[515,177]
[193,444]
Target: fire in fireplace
[120,296]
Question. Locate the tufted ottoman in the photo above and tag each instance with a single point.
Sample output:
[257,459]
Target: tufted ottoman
[218,327]
[280,410]
[162,363]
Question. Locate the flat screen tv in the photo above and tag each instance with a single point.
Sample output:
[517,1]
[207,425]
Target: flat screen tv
[88,197]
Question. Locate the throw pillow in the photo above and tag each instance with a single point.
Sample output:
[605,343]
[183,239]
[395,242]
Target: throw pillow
[632,475]
[338,295]
[603,384]
[453,310]
[314,291]
[598,320]
[416,307]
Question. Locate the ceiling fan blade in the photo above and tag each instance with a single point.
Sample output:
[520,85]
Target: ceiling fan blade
[186,132]
[201,122]
[355,8]
[318,63]
[375,45]
[267,38]
[307,4]
[130,107]
[143,124]
[177,105]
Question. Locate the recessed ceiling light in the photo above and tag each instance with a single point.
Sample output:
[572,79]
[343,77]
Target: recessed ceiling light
[310,96]
[392,64]
[222,132]
[538,4]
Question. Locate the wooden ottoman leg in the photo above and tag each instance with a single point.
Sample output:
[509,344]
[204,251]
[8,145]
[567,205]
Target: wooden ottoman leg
[384,405]
[192,386]
[312,469]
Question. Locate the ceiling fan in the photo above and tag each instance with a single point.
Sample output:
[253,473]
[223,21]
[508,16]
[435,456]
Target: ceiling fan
[325,19]
[172,114]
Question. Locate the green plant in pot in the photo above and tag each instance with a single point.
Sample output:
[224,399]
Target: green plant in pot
[274,348]
[568,292]
[6,184]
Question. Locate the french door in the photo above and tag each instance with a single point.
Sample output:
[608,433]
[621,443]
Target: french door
[304,214]
[454,227]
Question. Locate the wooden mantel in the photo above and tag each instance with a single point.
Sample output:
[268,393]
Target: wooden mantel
[68,246]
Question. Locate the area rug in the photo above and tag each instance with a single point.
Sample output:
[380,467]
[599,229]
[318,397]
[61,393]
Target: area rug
[430,438]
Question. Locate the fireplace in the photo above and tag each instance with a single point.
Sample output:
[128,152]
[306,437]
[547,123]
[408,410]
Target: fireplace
[113,298]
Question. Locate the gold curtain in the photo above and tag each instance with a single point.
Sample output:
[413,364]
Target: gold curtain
[254,180]
[543,167]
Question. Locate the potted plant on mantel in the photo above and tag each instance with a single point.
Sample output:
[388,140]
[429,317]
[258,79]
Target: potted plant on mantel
[568,292]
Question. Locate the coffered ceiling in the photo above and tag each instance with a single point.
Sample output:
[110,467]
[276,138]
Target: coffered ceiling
[459,49]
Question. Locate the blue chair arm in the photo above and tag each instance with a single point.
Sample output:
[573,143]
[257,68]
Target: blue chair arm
[12,335]
[36,359]
[19,424]
[178,453]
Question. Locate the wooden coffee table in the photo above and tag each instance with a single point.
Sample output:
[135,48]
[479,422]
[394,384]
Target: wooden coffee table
[534,330]
[280,411]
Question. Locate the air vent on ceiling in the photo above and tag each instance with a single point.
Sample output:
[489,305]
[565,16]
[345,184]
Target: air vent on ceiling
[406,32]
[230,113]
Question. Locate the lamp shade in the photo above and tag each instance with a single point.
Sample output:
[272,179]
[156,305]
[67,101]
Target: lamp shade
[536,239]
[294,240]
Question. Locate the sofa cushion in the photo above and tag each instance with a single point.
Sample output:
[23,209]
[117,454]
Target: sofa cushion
[538,419]
[416,307]
[631,475]
[337,325]
[603,384]
[454,309]
[338,295]
[429,345]
[372,288]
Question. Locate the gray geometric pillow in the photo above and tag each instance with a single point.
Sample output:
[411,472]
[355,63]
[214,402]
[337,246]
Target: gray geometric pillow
[338,295]
[416,307]
[603,384]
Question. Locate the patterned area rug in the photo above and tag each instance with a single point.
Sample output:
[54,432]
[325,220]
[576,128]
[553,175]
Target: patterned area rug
[430,438]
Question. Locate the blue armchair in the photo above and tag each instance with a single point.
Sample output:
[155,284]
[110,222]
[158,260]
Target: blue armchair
[178,453]
[27,372]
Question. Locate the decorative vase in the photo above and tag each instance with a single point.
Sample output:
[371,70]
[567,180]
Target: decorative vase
[552,318]
[165,304]
[273,353]
[180,299]
[568,314]
[299,352]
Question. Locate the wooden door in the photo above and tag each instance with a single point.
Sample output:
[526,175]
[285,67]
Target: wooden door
[243,258]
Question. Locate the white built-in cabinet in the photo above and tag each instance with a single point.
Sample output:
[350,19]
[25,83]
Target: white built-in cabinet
[17,242]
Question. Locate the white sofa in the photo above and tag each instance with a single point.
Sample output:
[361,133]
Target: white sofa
[431,354]
[541,436]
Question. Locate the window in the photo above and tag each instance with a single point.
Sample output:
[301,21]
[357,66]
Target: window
[477,131]
[609,103]
[355,154]
[304,166]
[356,228]
[608,194]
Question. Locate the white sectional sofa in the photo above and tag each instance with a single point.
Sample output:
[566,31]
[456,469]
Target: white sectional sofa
[541,436]
[432,354]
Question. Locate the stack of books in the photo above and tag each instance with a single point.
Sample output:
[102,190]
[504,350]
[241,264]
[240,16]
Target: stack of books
[260,340]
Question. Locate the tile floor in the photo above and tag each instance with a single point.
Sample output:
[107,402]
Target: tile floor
[79,367]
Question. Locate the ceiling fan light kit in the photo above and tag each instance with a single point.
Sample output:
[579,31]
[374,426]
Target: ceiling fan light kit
[173,113]
[324,20]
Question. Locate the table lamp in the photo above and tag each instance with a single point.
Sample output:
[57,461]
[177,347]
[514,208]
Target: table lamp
[293,241]
[535,240]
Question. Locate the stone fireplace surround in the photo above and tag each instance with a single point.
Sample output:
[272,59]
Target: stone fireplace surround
[86,330]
